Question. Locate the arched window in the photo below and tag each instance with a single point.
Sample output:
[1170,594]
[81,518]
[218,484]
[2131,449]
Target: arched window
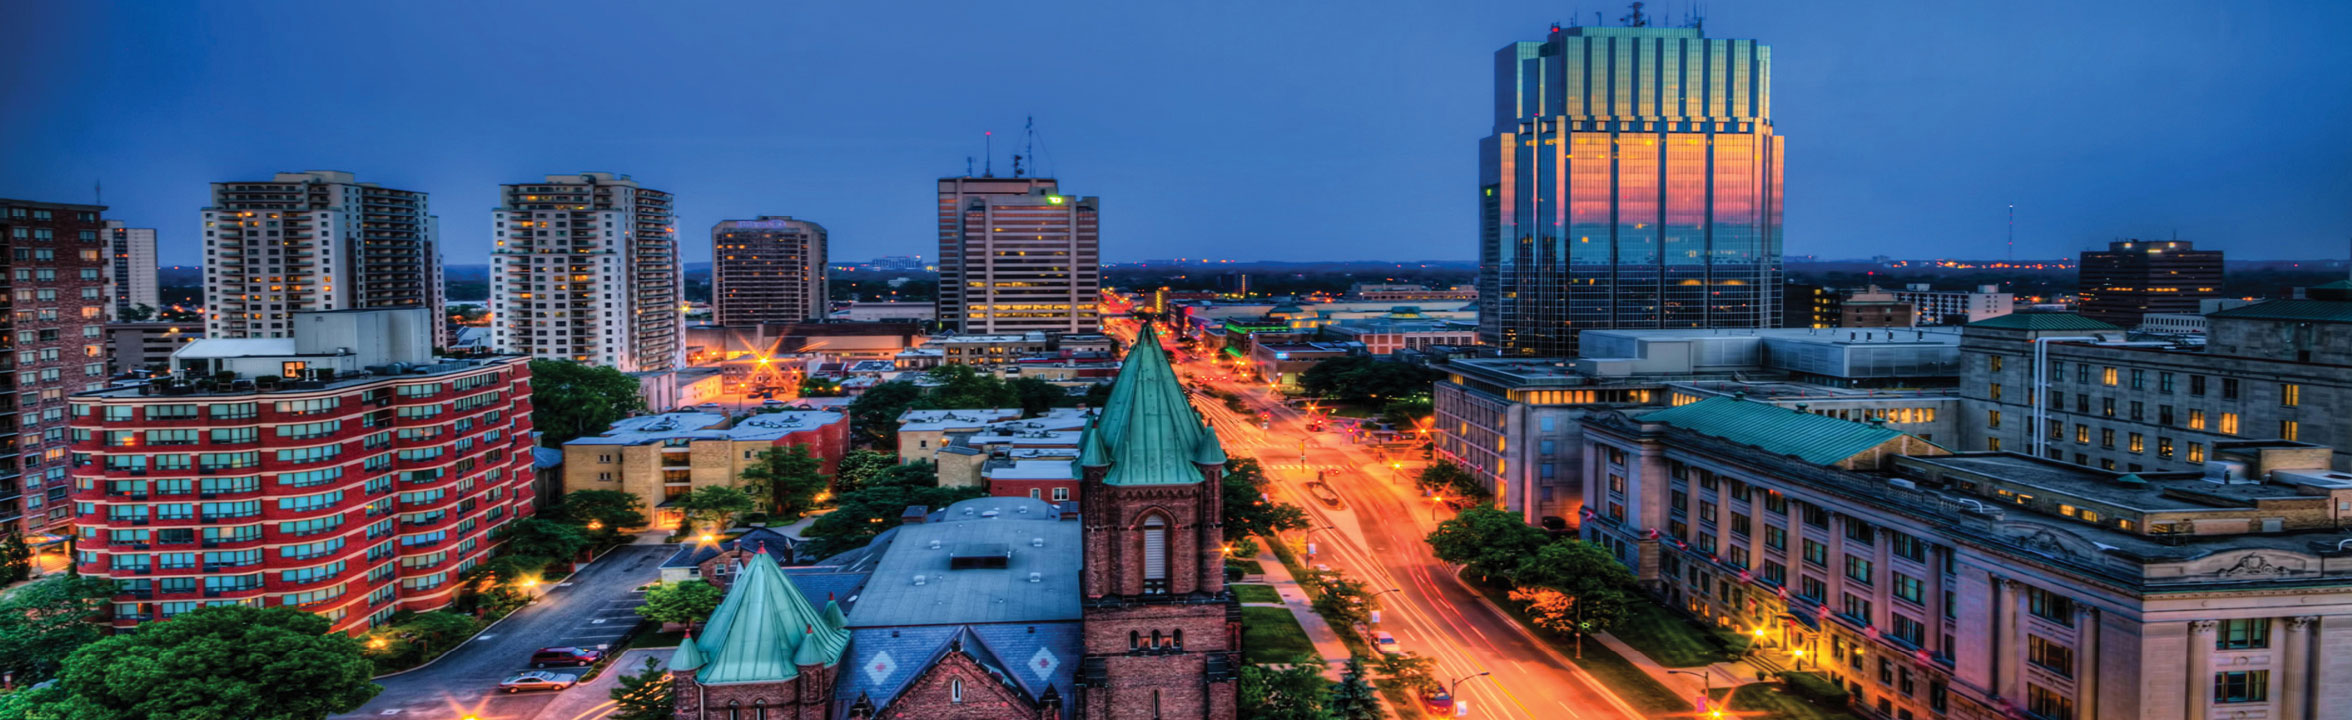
[955,690]
[1155,554]
[1156,643]
[1134,639]
[1178,640]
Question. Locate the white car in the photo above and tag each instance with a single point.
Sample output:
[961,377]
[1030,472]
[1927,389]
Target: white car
[538,680]
[1386,643]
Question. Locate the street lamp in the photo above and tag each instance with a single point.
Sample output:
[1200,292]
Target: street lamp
[1311,537]
[1710,688]
[1435,502]
[1456,685]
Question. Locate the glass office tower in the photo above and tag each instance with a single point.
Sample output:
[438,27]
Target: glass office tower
[1632,180]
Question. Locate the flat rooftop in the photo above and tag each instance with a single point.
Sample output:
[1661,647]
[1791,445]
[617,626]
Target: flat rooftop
[921,420]
[759,427]
[915,581]
[161,391]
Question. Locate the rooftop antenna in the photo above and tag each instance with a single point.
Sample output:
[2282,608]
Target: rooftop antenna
[2012,232]
[1597,21]
[988,160]
[1028,142]
[967,166]
[98,192]
[1634,17]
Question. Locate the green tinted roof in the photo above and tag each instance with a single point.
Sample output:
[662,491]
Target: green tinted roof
[766,629]
[2327,311]
[2044,321]
[1812,438]
[1148,431]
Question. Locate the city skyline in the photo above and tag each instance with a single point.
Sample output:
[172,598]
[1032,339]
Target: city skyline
[1928,141]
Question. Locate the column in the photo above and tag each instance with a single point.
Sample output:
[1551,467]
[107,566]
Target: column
[2086,654]
[2200,669]
[1882,582]
[2006,636]
[2295,675]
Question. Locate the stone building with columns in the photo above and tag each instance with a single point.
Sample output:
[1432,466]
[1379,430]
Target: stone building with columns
[1932,584]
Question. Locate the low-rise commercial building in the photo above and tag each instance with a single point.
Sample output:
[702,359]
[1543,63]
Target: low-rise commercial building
[1282,363]
[148,345]
[1956,307]
[661,458]
[342,470]
[1382,336]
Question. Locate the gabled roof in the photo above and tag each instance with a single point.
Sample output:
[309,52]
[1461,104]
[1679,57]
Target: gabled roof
[1037,659]
[1148,430]
[765,630]
[2044,321]
[2327,311]
[1812,438]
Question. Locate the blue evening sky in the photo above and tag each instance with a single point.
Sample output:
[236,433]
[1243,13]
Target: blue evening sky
[1248,130]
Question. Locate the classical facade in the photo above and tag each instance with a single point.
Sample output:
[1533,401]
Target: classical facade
[1930,584]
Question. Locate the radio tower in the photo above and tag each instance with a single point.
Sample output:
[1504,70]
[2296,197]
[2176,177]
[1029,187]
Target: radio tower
[2012,232]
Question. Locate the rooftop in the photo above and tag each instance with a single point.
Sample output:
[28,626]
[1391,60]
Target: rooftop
[913,582]
[1781,431]
[767,426]
[921,420]
[200,386]
[2041,321]
[2324,311]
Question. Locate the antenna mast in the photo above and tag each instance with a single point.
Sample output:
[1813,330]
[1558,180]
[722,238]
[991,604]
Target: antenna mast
[2012,232]
[988,159]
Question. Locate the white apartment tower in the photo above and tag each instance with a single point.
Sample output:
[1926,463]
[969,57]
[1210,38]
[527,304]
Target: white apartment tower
[1015,255]
[317,240]
[586,268]
[131,270]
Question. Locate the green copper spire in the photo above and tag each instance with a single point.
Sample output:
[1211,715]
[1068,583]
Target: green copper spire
[688,657]
[1149,432]
[1211,450]
[765,630]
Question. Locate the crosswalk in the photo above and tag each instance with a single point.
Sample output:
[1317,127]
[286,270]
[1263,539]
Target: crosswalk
[1307,467]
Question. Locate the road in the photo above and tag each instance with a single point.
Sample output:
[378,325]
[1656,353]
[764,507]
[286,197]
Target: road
[592,607]
[1376,536]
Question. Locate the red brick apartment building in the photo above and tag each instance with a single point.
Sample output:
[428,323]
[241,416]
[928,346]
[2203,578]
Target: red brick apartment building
[53,345]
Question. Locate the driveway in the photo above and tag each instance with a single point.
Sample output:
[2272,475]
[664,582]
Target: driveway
[593,607]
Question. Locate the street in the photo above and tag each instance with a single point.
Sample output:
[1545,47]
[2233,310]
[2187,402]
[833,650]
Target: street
[1376,534]
[592,607]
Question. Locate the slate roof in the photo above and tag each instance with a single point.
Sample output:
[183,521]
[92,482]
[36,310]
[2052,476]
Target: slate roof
[1816,439]
[766,540]
[1034,656]
[1148,432]
[2326,311]
[2034,321]
[976,595]
[765,629]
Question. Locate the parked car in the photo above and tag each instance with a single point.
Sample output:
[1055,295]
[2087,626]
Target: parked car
[1386,643]
[1438,702]
[538,680]
[565,656]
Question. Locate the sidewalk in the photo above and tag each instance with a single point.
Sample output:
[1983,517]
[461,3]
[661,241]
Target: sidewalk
[1327,642]
[1725,676]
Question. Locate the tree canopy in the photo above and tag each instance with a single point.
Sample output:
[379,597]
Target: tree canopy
[682,603]
[545,539]
[613,510]
[714,507]
[1363,378]
[224,662]
[786,480]
[1297,692]
[859,516]
[860,467]
[1488,541]
[1247,511]
[1455,483]
[963,387]
[43,622]
[873,416]
[645,695]
[569,399]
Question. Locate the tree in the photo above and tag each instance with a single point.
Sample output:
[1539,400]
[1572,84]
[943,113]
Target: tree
[1490,542]
[820,387]
[645,695]
[859,516]
[16,559]
[1597,590]
[1454,483]
[681,603]
[217,662]
[1354,699]
[608,511]
[1406,412]
[1346,603]
[786,480]
[715,506]
[42,623]
[141,312]
[963,387]
[860,467]
[1037,395]
[1097,394]
[1297,692]
[1412,671]
[570,399]
[546,539]
[1363,378]
[1247,511]
[874,414]
[503,583]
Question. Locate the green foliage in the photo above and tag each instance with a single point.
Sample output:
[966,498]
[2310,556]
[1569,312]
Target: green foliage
[219,663]
[43,622]
[1247,511]
[1456,483]
[141,312]
[820,387]
[643,696]
[681,603]
[1037,395]
[860,467]
[546,539]
[1097,395]
[786,481]
[16,559]
[1600,591]
[1345,603]
[1412,671]
[714,507]
[570,399]
[1298,692]
[962,387]
[873,416]
[615,510]
[1488,541]
[1353,698]
[859,516]
[1362,378]
[496,586]
[1406,413]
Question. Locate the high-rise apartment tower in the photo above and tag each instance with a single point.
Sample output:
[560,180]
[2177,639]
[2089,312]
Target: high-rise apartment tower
[585,268]
[317,240]
[1015,255]
[769,270]
[133,270]
[53,275]
[1632,181]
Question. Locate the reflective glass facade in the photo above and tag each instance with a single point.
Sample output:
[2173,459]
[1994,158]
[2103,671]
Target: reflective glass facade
[1632,180]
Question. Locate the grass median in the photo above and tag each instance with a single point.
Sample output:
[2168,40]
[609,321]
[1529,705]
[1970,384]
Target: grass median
[1272,635]
[1253,593]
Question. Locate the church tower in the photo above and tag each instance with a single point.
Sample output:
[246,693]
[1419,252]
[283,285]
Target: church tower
[1161,630]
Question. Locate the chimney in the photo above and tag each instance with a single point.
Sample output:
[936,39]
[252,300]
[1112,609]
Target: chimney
[914,515]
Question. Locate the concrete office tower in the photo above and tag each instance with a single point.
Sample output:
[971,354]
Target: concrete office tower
[2134,278]
[317,240]
[132,274]
[56,346]
[1632,181]
[769,270]
[1017,256]
[586,268]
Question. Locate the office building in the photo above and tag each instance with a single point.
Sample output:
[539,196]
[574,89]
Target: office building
[317,240]
[1016,256]
[2270,370]
[661,458]
[56,286]
[1818,307]
[769,270]
[1405,292]
[1875,308]
[1931,584]
[1632,181]
[585,268]
[1956,307]
[2133,278]
[148,346]
[133,270]
[343,470]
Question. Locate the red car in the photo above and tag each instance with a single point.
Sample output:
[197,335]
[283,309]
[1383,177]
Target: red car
[565,656]
[1438,702]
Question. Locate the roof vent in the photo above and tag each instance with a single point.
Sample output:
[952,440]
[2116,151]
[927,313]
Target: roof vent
[934,544]
[988,514]
[1036,542]
[1036,577]
[918,580]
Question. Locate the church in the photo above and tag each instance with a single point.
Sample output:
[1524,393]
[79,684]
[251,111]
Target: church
[1113,607]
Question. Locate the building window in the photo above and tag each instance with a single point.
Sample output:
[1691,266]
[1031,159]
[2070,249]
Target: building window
[1993,419]
[2041,701]
[2136,443]
[1993,444]
[1858,569]
[2229,388]
[955,690]
[2229,423]
[2164,448]
[2196,452]
[2049,655]
[1816,553]
[2290,394]
[2107,377]
[2241,686]
[2050,606]
[1155,555]
[2243,634]
[1994,391]
[2289,429]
